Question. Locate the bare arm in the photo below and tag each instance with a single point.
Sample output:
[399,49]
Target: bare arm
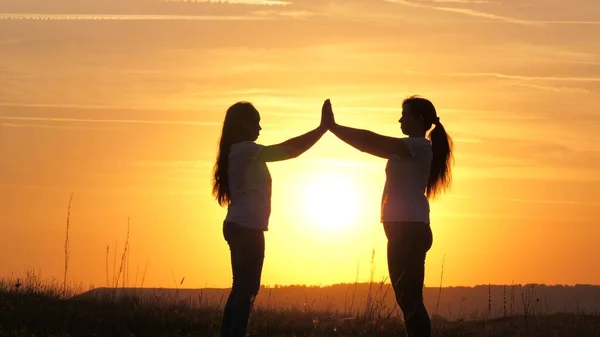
[371,142]
[293,147]
[364,140]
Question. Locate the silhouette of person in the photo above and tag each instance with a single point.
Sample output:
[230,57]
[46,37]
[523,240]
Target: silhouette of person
[242,183]
[418,169]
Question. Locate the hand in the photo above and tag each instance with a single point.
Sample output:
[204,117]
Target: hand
[327,118]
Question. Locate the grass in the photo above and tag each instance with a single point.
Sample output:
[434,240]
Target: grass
[34,307]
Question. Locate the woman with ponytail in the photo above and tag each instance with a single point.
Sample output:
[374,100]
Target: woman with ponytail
[242,182]
[418,169]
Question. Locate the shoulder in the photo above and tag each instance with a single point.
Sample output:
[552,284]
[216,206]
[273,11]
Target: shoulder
[417,145]
[245,146]
[245,149]
[416,141]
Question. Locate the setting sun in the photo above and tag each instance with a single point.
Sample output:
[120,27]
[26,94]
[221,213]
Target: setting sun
[331,202]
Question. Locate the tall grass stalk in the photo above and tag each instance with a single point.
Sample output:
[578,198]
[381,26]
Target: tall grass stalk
[67,243]
[123,256]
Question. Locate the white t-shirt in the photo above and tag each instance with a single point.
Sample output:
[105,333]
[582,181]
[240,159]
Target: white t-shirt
[249,186]
[406,180]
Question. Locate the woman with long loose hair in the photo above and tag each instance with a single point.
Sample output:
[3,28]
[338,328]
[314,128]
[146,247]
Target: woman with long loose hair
[242,182]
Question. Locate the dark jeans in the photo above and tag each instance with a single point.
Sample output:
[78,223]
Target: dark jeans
[247,248]
[408,243]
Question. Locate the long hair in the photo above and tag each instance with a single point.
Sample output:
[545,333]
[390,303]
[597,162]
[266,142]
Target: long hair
[440,176]
[232,133]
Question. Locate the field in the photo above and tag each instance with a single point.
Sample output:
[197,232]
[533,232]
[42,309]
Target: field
[34,307]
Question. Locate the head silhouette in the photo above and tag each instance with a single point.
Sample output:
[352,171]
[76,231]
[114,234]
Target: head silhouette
[242,123]
[418,116]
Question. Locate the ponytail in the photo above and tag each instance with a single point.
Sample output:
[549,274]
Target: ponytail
[440,176]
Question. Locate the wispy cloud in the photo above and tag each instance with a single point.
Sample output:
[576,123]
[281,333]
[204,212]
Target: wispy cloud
[527,78]
[572,22]
[507,216]
[510,76]
[70,106]
[551,88]
[288,114]
[555,60]
[465,11]
[549,201]
[127,17]
[120,191]
[484,15]
[154,175]
[60,127]
[115,121]
[173,163]
[461,1]
[295,14]
[241,2]
[434,5]
[529,200]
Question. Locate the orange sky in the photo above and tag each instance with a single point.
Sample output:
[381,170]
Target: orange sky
[121,103]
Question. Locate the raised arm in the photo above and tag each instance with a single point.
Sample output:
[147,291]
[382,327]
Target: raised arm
[367,141]
[293,147]
[296,146]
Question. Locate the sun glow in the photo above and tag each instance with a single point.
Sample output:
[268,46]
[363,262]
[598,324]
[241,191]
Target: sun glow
[332,202]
